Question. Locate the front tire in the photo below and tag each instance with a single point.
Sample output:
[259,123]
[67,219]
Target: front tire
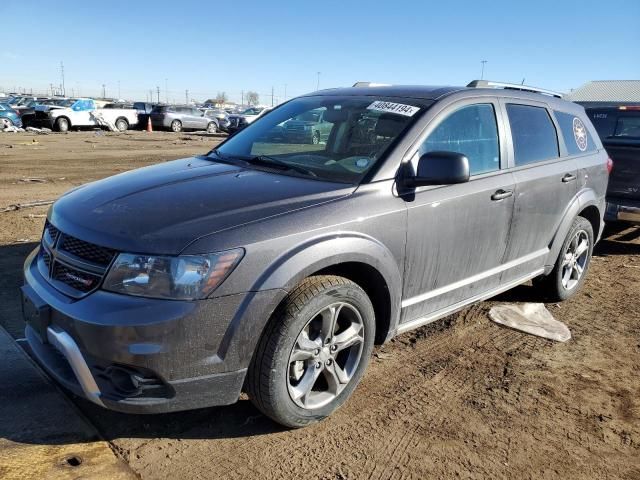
[314,351]
[212,127]
[570,269]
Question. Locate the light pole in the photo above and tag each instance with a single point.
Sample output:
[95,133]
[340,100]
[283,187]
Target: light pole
[318,82]
[166,91]
[483,62]
[104,91]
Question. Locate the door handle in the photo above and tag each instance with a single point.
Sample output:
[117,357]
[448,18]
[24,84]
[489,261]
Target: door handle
[501,194]
[569,177]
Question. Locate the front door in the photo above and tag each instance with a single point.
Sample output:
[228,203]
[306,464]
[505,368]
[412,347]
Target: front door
[457,234]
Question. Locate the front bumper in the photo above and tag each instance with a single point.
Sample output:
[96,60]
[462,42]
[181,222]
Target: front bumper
[623,210]
[139,355]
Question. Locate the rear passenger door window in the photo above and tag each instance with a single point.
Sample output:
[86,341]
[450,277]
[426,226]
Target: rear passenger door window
[533,133]
[472,131]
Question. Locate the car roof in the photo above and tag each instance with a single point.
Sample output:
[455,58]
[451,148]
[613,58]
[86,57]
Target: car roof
[408,91]
[434,93]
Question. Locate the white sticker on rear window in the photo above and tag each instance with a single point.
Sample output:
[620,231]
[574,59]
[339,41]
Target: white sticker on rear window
[580,134]
[390,107]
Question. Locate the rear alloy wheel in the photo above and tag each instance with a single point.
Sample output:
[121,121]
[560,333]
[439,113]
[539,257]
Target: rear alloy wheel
[571,267]
[316,138]
[212,127]
[6,122]
[122,125]
[176,126]
[313,352]
[62,124]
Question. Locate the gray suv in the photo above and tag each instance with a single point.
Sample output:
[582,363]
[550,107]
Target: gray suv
[179,118]
[272,267]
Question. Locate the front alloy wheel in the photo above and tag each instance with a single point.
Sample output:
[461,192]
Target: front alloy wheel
[313,352]
[325,355]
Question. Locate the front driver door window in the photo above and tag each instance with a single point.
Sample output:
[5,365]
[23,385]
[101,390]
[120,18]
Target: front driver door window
[472,130]
[457,234]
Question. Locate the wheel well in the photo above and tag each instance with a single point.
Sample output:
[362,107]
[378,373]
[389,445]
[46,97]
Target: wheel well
[592,214]
[62,117]
[374,285]
[122,118]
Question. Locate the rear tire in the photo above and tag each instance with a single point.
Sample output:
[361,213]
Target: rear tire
[176,126]
[6,122]
[572,264]
[313,352]
[212,127]
[122,125]
[62,124]
[316,138]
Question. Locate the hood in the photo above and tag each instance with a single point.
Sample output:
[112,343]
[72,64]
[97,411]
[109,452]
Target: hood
[162,208]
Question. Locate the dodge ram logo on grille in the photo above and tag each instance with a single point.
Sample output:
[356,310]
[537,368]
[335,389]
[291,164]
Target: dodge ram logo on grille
[84,281]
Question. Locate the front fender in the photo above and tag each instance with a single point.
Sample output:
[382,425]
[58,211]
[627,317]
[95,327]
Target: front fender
[291,267]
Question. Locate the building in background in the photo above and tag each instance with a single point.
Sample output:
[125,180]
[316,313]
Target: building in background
[604,93]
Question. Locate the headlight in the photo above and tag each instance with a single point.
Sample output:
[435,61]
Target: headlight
[185,277]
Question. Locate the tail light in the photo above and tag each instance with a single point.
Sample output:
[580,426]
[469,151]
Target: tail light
[609,165]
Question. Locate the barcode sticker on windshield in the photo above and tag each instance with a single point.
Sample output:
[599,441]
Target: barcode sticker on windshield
[399,108]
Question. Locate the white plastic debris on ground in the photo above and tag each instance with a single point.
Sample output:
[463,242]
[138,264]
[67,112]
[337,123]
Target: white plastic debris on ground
[533,318]
[103,122]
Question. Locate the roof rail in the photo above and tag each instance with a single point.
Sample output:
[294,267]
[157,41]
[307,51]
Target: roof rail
[512,86]
[370,84]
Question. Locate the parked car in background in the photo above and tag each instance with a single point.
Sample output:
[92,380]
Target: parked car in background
[119,105]
[82,113]
[310,127]
[619,129]
[220,115]
[275,267]
[239,121]
[8,117]
[179,118]
[144,109]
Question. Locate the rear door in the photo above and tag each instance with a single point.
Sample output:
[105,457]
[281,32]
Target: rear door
[546,182]
[457,234]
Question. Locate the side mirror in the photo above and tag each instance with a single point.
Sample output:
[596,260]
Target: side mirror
[440,168]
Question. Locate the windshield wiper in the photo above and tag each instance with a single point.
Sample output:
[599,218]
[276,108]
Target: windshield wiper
[271,161]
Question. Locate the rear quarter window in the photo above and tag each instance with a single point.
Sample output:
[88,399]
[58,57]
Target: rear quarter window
[533,133]
[575,133]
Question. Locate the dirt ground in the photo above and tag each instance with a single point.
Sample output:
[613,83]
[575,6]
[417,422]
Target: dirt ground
[462,398]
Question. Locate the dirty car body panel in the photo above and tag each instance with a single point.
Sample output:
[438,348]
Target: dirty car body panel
[433,249]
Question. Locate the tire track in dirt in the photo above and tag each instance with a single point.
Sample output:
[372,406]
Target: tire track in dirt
[418,394]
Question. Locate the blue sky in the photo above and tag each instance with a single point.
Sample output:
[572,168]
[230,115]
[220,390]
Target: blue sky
[245,45]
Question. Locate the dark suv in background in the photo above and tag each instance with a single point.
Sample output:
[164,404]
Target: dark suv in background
[619,129]
[275,266]
[179,118]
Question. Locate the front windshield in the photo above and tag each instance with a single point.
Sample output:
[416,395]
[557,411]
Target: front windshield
[336,138]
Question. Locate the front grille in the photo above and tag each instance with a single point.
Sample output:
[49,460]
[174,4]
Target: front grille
[51,233]
[76,279]
[87,251]
[73,266]
[47,259]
